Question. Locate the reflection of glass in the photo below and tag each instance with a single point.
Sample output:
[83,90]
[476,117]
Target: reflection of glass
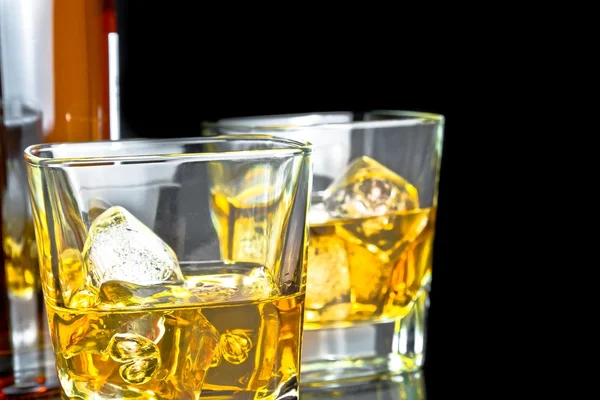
[143,299]
[408,386]
[25,343]
[57,53]
[372,220]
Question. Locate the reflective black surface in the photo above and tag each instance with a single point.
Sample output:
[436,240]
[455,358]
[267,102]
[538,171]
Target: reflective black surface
[167,91]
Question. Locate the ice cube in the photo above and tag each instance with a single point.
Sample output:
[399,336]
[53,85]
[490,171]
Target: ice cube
[317,214]
[328,274]
[79,334]
[91,334]
[117,294]
[369,189]
[266,344]
[194,350]
[369,272]
[256,284]
[119,247]
[212,288]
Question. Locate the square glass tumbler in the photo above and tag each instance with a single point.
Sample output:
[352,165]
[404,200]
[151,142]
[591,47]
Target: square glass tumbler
[151,291]
[26,356]
[372,224]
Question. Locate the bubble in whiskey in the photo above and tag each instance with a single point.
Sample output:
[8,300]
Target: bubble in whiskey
[127,347]
[235,346]
[139,371]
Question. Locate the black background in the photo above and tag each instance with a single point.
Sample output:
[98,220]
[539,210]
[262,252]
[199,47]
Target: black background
[175,73]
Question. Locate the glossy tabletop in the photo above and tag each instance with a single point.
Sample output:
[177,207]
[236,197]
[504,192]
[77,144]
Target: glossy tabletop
[404,387]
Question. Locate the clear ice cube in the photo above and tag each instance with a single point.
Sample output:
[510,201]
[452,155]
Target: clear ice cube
[120,247]
[368,188]
[317,213]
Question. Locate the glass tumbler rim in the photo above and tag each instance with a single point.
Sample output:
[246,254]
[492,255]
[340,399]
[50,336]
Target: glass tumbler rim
[396,118]
[106,152]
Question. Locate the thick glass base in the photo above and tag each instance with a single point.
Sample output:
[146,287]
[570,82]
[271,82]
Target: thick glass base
[287,390]
[33,360]
[407,386]
[357,354]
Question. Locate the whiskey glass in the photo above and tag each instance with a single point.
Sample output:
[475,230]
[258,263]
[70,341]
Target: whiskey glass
[26,357]
[372,227]
[173,269]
